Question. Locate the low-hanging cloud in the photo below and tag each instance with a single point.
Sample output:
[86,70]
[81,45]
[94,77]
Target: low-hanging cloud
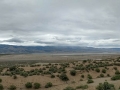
[60,22]
[15,40]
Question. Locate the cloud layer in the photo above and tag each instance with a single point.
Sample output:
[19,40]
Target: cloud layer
[60,22]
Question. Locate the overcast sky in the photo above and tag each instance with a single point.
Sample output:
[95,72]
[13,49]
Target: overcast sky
[91,23]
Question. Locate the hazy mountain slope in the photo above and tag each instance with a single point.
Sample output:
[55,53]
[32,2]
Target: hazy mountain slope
[53,49]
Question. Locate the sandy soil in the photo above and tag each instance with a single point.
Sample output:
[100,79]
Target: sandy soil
[58,57]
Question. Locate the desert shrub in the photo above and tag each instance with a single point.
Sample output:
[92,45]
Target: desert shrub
[101,75]
[105,86]
[82,76]
[89,76]
[49,84]
[69,88]
[52,76]
[97,70]
[7,73]
[12,87]
[116,77]
[108,75]
[73,82]
[98,76]
[43,68]
[56,63]
[28,85]
[53,69]
[80,67]
[84,61]
[90,81]
[61,69]
[57,75]
[37,85]
[47,72]
[115,68]
[12,68]
[106,68]
[32,65]
[1,87]
[25,74]
[65,65]
[117,72]
[73,72]
[92,68]
[14,77]
[47,66]
[0,80]
[119,88]
[82,87]
[40,70]
[103,71]
[63,77]
[81,79]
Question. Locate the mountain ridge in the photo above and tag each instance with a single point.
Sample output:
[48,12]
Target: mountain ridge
[13,49]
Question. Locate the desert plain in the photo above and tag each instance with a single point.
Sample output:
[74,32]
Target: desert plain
[46,67]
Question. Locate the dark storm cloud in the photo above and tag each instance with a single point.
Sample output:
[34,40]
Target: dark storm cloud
[15,40]
[60,22]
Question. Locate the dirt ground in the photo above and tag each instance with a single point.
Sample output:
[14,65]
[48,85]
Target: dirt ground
[58,57]
[57,83]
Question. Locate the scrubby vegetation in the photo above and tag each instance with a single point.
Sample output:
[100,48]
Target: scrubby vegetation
[0,80]
[69,88]
[1,87]
[64,77]
[73,72]
[49,84]
[89,76]
[56,74]
[90,81]
[105,86]
[101,75]
[115,77]
[12,87]
[97,70]
[37,85]
[82,87]
[28,85]
[103,71]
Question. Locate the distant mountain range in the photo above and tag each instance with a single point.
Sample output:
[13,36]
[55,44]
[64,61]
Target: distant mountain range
[11,49]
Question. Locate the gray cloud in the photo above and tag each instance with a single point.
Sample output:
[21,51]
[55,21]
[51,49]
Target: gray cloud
[60,22]
[15,40]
